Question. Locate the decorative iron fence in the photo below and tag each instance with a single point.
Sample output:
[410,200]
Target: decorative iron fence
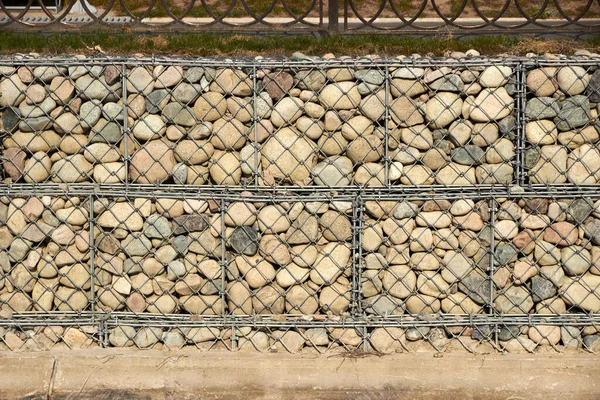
[365,218]
[333,16]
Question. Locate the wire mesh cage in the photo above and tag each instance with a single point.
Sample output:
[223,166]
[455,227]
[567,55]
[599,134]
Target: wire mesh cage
[309,206]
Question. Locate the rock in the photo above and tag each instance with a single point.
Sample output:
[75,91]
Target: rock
[574,113]
[561,233]
[13,91]
[10,119]
[71,169]
[572,80]
[541,132]
[287,111]
[158,227]
[121,215]
[330,264]
[336,227]
[491,105]
[514,300]
[468,155]
[210,107]
[313,80]
[179,114]
[156,101]
[255,271]
[340,96]
[542,289]
[443,108]
[551,166]
[365,149]
[152,163]
[290,162]
[495,76]
[147,337]
[592,343]
[232,81]
[278,84]
[541,81]
[579,292]
[333,171]
[544,334]
[593,89]
[583,164]
[542,108]
[301,299]
[14,163]
[244,240]
[477,287]
[171,76]
[456,174]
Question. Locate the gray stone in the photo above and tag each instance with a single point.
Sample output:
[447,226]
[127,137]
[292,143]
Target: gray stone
[468,155]
[476,287]
[35,124]
[382,305]
[448,83]
[157,227]
[542,108]
[579,210]
[136,245]
[593,89]
[532,156]
[194,74]
[181,244]
[106,132]
[157,100]
[405,209]
[244,240]
[592,343]
[542,289]
[179,114]
[371,76]
[10,118]
[574,113]
[180,173]
[90,113]
[190,223]
[481,332]
[92,88]
[570,336]
[186,93]
[508,332]
[505,253]
[506,127]
[592,230]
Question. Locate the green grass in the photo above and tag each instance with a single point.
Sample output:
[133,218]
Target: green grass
[239,45]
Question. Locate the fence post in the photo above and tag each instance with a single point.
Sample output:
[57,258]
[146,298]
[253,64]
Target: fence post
[333,15]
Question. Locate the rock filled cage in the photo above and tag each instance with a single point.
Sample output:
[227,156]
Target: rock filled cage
[312,205]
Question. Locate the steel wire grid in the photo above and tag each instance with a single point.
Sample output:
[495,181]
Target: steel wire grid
[481,315]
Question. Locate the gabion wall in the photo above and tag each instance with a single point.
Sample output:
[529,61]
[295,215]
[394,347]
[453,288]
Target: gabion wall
[310,205]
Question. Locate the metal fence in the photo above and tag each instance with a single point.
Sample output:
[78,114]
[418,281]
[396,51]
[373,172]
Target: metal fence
[274,257]
[333,16]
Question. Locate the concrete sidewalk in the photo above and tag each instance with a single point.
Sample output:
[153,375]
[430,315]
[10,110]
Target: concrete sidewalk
[126,374]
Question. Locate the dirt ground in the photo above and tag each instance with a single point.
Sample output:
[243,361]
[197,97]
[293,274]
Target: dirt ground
[126,374]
